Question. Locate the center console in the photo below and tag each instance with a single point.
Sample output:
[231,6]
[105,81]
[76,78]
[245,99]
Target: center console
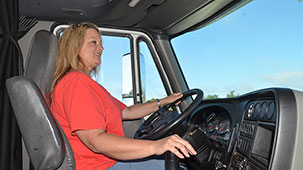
[256,136]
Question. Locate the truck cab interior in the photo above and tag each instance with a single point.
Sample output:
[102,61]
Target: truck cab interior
[258,130]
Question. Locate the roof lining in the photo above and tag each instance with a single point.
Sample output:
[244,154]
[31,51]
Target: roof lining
[170,17]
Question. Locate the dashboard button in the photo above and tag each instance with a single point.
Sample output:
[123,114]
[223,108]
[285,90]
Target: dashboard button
[250,110]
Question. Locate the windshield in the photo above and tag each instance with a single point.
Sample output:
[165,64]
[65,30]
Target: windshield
[258,46]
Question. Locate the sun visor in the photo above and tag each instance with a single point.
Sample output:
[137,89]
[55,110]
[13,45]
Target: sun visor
[64,9]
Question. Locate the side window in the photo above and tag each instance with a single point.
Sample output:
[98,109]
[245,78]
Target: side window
[152,85]
[110,70]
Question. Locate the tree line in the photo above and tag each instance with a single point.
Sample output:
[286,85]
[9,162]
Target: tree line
[229,95]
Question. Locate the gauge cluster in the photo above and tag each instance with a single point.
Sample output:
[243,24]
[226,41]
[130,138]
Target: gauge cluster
[217,128]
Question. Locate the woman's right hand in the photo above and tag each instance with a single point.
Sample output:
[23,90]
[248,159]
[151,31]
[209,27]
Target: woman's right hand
[174,144]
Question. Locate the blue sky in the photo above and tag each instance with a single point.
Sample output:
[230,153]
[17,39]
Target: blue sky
[257,46]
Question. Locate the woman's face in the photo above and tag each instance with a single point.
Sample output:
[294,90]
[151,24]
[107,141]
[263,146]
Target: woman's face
[91,50]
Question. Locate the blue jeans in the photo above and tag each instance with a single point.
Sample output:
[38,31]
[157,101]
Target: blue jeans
[139,164]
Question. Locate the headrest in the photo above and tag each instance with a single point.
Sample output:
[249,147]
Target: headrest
[41,59]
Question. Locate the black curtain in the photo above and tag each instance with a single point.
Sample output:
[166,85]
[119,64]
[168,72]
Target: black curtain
[10,138]
[12,28]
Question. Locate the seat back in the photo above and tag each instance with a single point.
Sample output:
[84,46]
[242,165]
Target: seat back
[41,59]
[46,143]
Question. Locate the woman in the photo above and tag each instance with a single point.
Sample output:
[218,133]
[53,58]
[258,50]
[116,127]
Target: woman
[91,118]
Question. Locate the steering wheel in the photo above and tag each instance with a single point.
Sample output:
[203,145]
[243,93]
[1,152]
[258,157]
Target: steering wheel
[164,121]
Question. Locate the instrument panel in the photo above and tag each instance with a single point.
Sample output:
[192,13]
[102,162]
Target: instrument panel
[217,128]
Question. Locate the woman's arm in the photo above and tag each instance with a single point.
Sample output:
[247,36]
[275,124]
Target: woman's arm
[122,148]
[141,110]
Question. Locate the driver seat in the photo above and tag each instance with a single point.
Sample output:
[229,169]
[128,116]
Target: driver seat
[45,141]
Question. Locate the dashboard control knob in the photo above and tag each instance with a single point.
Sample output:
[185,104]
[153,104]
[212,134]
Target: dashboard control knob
[219,165]
[241,164]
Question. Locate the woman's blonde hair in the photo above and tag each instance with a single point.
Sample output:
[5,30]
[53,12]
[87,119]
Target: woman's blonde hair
[68,49]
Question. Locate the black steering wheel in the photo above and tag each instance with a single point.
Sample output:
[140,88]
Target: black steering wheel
[164,121]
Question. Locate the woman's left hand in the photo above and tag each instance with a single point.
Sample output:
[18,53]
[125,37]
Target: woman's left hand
[170,99]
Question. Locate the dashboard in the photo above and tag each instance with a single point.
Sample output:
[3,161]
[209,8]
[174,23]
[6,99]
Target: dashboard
[245,133]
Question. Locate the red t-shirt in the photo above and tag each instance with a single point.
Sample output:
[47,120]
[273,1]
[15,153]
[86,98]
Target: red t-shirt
[80,103]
